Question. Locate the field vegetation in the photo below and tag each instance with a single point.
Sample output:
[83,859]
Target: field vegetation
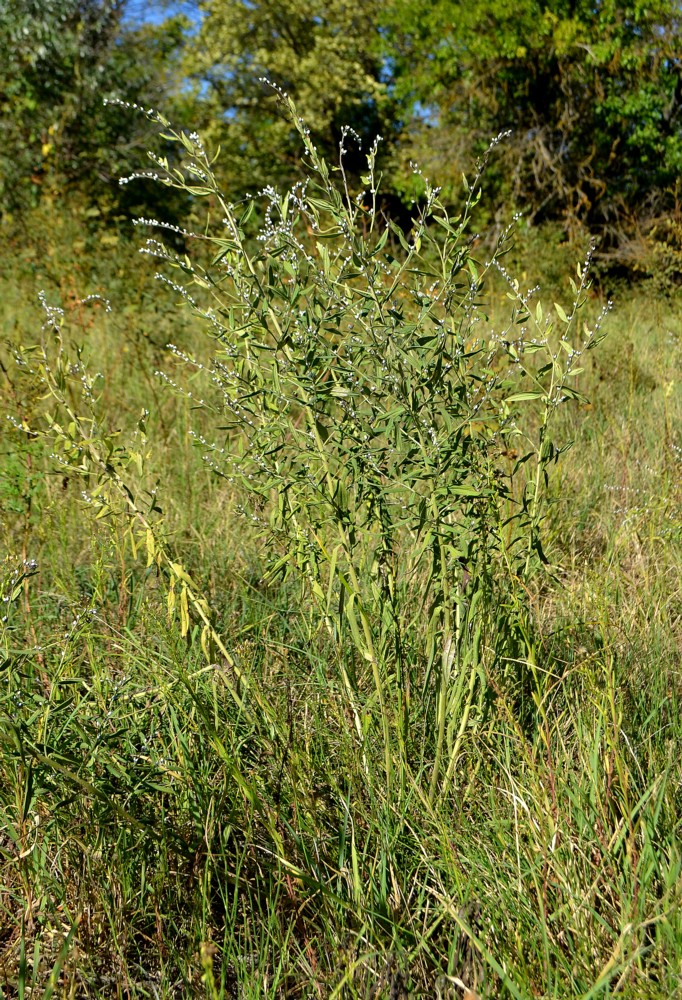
[341,526]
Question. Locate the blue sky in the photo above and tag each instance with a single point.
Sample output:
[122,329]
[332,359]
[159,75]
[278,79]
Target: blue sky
[154,11]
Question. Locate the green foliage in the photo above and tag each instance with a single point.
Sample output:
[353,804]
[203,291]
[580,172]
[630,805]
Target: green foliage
[326,55]
[59,59]
[158,838]
[144,862]
[309,718]
[591,92]
[369,423]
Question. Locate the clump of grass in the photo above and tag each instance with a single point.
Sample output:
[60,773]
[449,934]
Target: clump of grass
[356,745]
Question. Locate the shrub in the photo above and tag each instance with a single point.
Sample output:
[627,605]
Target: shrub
[371,422]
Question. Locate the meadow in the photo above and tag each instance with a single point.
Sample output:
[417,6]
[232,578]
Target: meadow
[244,759]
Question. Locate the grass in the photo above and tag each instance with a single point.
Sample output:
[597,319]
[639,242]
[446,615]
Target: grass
[159,838]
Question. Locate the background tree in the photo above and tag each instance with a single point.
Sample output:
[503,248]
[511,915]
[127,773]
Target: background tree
[58,60]
[590,90]
[325,53]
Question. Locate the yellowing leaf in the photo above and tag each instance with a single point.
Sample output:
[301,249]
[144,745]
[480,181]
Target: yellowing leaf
[184,613]
[151,547]
[182,574]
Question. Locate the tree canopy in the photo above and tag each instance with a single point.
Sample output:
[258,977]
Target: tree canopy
[589,88]
[591,91]
[325,53]
[59,59]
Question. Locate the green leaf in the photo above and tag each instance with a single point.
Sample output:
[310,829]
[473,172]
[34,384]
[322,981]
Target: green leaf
[360,645]
[561,313]
[519,397]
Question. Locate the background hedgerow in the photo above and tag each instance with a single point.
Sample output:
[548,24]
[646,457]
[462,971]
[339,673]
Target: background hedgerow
[330,670]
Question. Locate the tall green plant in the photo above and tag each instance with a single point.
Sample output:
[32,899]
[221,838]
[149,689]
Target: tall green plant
[368,419]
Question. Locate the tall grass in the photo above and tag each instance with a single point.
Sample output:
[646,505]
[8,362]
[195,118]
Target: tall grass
[312,717]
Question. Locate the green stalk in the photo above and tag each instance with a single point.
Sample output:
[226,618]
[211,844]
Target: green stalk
[465,715]
[370,652]
[450,650]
